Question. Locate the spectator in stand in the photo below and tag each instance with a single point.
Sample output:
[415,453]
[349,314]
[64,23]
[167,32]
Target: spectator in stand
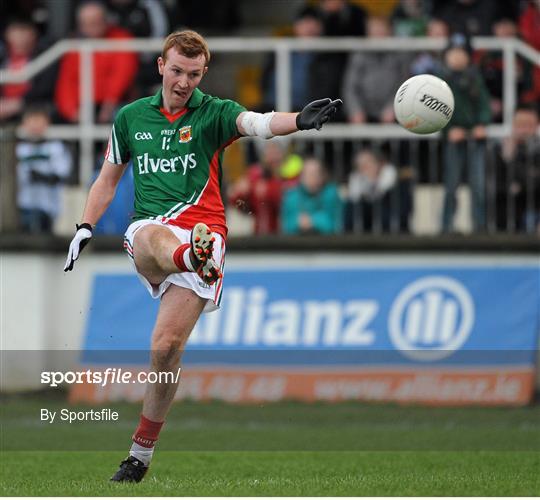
[465,134]
[314,206]
[518,174]
[429,62]
[114,72]
[21,46]
[372,185]
[474,17]
[491,64]
[339,18]
[409,18]
[143,19]
[529,28]
[372,79]
[214,17]
[342,18]
[529,23]
[259,191]
[307,24]
[21,39]
[43,165]
[32,11]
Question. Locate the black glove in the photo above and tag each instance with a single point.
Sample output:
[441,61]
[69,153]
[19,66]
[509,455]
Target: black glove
[316,113]
[81,238]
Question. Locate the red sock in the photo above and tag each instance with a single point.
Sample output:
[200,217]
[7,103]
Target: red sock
[178,257]
[147,433]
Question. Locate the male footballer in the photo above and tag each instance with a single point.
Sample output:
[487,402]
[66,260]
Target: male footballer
[175,141]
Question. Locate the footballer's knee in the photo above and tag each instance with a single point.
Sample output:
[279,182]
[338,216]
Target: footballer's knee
[167,348]
[166,354]
[152,251]
[150,242]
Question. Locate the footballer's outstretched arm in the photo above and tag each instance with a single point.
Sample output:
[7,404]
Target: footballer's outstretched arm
[99,198]
[102,192]
[267,125]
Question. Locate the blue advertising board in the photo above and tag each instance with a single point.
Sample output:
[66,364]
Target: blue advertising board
[329,318]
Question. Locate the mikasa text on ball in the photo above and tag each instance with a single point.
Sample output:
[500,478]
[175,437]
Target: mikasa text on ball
[424,104]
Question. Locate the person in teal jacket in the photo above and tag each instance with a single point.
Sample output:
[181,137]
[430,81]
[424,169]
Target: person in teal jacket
[314,205]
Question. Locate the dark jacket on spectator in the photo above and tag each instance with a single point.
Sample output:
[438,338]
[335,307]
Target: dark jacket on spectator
[471,98]
[517,185]
[143,19]
[475,17]
[328,68]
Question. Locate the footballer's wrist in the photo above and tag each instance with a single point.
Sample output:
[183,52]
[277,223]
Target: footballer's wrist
[85,225]
[301,123]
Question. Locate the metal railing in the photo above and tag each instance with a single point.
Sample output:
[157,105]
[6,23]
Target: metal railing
[415,203]
[87,131]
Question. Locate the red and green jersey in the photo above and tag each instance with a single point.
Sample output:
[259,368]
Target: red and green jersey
[176,158]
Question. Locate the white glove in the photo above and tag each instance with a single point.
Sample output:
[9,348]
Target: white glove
[79,241]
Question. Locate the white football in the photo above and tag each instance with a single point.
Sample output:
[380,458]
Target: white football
[424,104]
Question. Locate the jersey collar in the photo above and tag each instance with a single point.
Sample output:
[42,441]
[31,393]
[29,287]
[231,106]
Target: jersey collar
[195,100]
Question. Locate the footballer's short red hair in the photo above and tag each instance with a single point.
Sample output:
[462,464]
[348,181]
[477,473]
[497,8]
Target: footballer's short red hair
[188,43]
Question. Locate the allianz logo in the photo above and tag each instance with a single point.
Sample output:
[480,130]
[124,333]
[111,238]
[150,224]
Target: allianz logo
[248,318]
[146,164]
[431,318]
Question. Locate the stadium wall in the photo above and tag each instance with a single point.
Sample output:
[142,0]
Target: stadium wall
[55,316]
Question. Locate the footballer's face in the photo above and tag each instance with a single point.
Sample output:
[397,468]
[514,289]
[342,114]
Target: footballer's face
[181,76]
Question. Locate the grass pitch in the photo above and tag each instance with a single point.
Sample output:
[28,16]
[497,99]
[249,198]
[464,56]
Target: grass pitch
[278,473]
[291,449]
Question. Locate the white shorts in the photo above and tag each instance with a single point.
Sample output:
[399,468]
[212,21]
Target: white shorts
[185,279]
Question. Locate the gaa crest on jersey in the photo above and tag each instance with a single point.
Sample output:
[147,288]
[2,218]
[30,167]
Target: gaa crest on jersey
[185,134]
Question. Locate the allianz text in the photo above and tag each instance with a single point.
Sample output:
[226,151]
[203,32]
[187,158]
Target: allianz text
[248,318]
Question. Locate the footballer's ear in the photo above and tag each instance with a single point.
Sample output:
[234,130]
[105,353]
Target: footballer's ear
[161,64]
[205,70]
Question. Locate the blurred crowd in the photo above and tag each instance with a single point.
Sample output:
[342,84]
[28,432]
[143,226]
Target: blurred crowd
[284,187]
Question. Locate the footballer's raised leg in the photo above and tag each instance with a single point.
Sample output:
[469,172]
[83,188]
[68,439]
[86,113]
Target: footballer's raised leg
[158,253]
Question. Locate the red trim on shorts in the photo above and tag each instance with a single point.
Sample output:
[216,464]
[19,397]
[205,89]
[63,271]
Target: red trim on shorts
[128,249]
[218,288]
[172,118]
